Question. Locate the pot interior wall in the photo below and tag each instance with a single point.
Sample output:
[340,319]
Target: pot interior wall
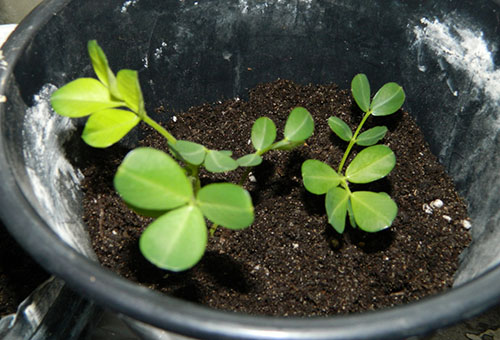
[443,53]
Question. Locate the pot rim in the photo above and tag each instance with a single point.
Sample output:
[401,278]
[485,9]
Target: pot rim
[96,282]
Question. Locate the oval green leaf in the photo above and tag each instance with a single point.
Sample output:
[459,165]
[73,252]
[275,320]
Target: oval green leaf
[318,177]
[226,204]
[371,164]
[175,241]
[105,128]
[336,202]
[287,145]
[249,160]
[340,128]
[130,89]
[299,126]
[219,161]
[360,88]
[101,68]
[371,136]
[373,211]
[191,152]
[387,100]
[82,97]
[263,133]
[150,179]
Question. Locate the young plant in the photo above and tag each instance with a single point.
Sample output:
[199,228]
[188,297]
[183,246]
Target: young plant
[165,187]
[370,211]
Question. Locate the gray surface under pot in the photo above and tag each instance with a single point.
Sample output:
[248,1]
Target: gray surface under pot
[444,53]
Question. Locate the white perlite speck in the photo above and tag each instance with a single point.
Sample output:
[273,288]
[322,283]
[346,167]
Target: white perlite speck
[464,48]
[427,209]
[466,224]
[437,204]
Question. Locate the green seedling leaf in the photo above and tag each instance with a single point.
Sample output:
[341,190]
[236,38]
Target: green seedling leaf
[249,160]
[371,136]
[371,164]
[226,204]
[299,125]
[191,152]
[373,211]
[263,133]
[319,177]
[150,179]
[228,153]
[387,100]
[147,212]
[177,240]
[106,127]
[360,88]
[130,89]
[287,145]
[219,161]
[340,128]
[336,202]
[102,69]
[82,97]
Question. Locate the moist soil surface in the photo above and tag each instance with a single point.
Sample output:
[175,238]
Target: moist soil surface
[290,261]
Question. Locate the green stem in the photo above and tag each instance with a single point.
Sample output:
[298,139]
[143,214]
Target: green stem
[171,139]
[194,174]
[353,141]
[213,228]
[244,177]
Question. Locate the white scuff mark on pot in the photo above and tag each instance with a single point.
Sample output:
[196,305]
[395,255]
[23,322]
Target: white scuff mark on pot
[53,180]
[3,99]
[464,48]
[3,62]
[159,51]
[451,87]
[227,55]
[127,4]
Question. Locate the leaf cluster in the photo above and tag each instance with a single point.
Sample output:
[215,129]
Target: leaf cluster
[370,211]
[167,187]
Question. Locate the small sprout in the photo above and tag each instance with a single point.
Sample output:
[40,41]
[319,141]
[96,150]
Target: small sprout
[370,211]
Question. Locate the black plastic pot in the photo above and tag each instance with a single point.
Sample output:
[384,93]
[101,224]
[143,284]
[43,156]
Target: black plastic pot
[444,53]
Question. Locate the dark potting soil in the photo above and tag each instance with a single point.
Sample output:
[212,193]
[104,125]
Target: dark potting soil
[291,261]
[19,274]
